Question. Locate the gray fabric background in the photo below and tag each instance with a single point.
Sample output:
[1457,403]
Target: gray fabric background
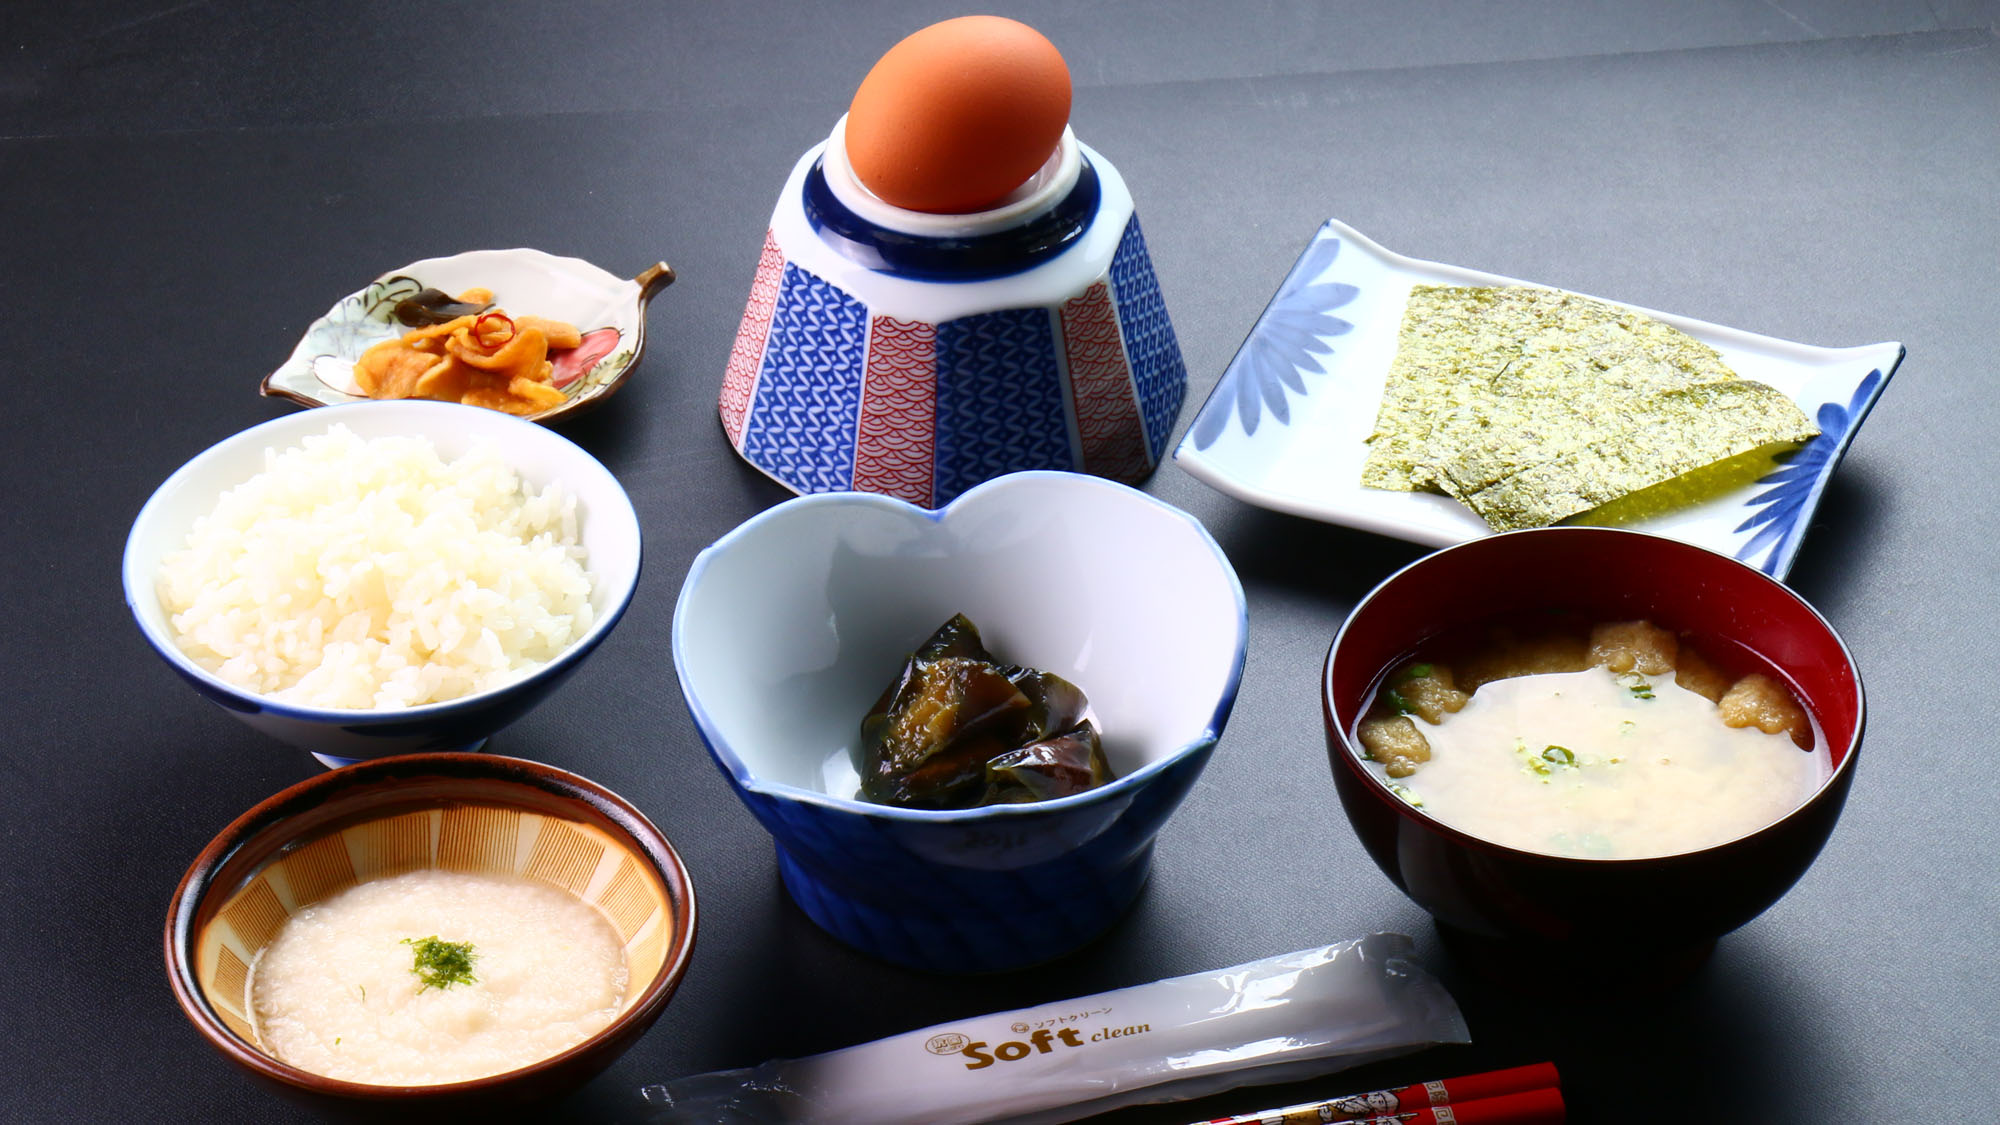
[187,185]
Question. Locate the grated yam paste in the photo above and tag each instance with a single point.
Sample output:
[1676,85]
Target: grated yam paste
[1533,405]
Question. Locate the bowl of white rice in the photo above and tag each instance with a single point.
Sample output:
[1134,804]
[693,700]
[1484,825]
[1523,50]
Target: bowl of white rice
[383,577]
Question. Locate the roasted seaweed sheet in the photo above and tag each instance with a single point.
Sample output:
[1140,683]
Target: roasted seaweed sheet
[958,729]
[1534,405]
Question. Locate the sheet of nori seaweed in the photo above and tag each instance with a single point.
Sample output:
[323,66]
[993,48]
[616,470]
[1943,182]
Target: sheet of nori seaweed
[1533,405]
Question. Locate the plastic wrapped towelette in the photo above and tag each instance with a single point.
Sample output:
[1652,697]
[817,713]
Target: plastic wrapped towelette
[1280,1019]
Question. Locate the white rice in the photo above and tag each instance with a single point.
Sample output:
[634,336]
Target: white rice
[375,575]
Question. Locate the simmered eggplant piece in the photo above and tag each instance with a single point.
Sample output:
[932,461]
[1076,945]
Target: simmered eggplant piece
[1054,767]
[958,729]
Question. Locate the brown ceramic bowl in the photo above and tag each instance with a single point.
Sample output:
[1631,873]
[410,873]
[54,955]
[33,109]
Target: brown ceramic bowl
[459,812]
[1506,902]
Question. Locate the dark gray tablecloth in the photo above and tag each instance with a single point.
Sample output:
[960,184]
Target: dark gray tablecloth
[186,186]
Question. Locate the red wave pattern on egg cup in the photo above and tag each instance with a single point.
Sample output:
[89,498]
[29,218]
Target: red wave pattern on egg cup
[746,355]
[1107,404]
[894,449]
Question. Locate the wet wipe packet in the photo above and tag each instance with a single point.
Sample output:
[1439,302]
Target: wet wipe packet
[1280,1019]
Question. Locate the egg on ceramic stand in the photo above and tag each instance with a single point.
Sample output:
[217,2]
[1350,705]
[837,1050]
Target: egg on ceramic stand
[952,288]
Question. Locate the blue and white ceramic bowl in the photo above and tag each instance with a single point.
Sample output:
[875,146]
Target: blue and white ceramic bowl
[790,626]
[609,530]
[915,355]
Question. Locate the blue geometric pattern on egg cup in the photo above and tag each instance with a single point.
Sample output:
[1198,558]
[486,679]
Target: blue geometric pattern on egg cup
[1292,336]
[801,426]
[1158,373]
[1802,473]
[999,400]
[1000,392]
[878,884]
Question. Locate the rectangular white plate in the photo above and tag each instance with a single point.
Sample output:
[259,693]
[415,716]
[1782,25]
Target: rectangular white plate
[1286,428]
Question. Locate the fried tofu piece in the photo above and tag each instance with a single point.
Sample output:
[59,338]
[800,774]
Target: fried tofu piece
[1508,654]
[1633,646]
[1693,672]
[1758,701]
[1427,691]
[1396,743]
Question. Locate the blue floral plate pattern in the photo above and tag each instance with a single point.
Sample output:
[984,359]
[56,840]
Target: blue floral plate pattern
[1286,427]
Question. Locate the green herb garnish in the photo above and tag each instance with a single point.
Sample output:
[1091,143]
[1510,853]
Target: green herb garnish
[1641,690]
[1395,699]
[1560,755]
[441,964]
[1417,671]
[1407,795]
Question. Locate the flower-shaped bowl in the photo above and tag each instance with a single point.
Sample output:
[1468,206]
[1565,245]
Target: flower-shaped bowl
[790,626]
[609,530]
[475,813]
[609,310]
[1607,917]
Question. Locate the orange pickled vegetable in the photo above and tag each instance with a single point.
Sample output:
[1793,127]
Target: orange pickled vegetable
[523,353]
[490,359]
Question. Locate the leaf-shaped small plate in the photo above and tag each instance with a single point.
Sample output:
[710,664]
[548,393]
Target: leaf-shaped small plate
[1287,426]
[610,312]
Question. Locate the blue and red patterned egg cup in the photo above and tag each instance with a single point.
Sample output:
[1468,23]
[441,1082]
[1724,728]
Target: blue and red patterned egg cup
[916,355]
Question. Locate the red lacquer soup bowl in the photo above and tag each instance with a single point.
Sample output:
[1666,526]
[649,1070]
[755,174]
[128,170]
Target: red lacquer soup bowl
[1646,908]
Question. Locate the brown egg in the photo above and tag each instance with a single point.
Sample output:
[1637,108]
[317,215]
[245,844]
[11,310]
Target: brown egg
[958,115]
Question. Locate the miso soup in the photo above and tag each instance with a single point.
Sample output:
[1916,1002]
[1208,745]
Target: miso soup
[1614,741]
